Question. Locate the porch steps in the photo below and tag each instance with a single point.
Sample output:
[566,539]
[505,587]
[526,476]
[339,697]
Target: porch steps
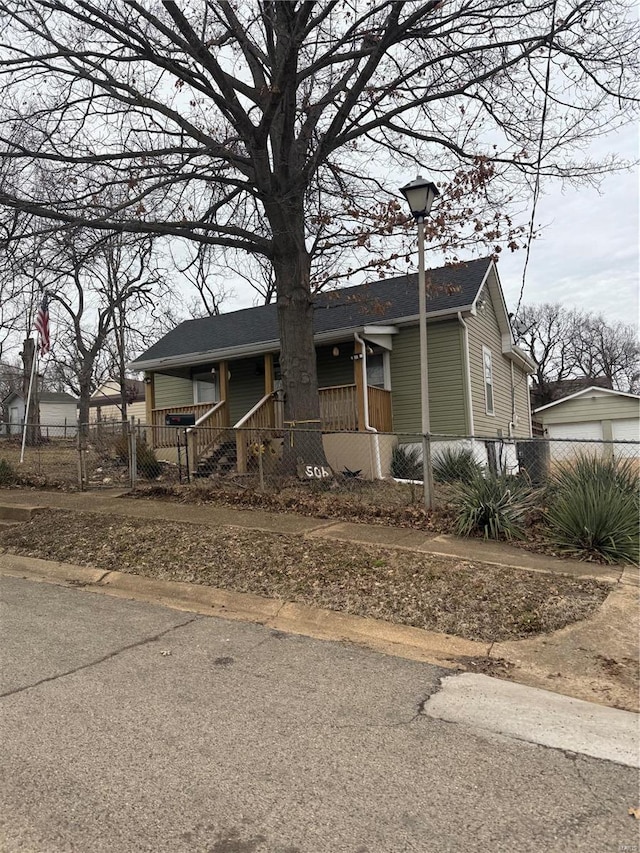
[221,460]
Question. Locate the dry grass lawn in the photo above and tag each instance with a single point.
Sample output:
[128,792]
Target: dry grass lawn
[467,599]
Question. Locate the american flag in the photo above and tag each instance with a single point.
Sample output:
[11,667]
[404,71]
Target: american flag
[41,325]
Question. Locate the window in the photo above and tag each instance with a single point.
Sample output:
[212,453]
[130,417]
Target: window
[206,388]
[488,380]
[375,370]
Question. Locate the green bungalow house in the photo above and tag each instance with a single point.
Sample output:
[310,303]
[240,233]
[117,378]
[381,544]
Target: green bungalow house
[224,370]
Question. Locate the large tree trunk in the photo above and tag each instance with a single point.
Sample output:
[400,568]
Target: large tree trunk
[84,386]
[292,267]
[32,413]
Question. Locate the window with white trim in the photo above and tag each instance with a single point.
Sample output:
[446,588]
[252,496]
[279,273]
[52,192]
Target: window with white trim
[206,388]
[487,367]
[378,370]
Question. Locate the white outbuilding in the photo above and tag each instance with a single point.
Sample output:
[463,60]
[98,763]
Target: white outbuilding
[58,414]
[593,414]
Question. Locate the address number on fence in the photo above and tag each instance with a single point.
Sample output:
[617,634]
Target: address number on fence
[317,472]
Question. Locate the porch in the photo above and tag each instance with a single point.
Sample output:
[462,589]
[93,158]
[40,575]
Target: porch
[221,419]
[343,408]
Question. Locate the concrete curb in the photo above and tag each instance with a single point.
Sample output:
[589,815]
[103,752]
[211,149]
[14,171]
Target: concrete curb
[396,640]
[537,716]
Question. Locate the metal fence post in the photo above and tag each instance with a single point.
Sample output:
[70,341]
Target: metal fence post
[427,471]
[133,454]
[81,471]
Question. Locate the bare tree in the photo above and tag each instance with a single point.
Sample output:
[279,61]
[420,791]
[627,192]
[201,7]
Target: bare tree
[268,127]
[608,350]
[546,333]
[567,344]
[209,278]
[96,281]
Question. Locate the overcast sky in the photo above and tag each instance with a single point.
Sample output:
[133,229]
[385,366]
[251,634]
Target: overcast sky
[587,255]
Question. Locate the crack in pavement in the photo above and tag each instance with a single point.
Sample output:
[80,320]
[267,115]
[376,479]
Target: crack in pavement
[420,711]
[145,641]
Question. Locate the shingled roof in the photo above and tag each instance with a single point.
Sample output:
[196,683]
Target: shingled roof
[386,301]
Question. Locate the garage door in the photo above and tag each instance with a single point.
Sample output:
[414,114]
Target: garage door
[577,436]
[626,430]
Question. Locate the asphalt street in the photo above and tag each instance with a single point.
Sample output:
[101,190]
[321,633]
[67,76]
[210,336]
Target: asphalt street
[132,727]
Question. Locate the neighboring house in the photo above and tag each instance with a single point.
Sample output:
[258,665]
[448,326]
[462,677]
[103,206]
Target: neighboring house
[106,402]
[225,370]
[593,414]
[561,388]
[58,414]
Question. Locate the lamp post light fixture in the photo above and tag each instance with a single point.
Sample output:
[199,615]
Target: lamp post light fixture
[420,195]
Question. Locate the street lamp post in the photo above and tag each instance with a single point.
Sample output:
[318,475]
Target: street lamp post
[420,195]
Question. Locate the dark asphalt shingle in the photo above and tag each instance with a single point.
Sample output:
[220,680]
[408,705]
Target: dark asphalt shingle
[351,307]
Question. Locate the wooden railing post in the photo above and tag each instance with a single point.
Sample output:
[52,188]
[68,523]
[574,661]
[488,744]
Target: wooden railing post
[149,402]
[241,451]
[223,368]
[268,374]
[361,388]
[192,450]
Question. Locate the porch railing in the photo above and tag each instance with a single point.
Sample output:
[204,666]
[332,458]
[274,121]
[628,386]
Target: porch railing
[209,429]
[338,408]
[380,409]
[251,429]
[164,436]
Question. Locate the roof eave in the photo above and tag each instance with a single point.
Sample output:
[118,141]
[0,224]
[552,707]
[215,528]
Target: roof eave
[584,391]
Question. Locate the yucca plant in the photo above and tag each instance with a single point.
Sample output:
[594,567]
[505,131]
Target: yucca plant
[593,509]
[494,505]
[406,462]
[454,463]
[620,474]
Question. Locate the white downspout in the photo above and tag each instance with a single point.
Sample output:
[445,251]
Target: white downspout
[514,418]
[367,425]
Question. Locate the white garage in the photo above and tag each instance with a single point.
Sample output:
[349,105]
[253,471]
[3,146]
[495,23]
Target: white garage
[58,414]
[592,415]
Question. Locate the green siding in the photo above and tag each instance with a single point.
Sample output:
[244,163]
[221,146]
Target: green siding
[485,331]
[246,386]
[172,391]
[335,370]
[591,407]
[447,397]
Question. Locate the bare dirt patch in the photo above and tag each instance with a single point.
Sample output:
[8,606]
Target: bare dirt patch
[467,599]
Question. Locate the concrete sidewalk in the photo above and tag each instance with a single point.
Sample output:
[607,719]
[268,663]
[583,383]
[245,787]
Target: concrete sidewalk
[595,660]
[380,535]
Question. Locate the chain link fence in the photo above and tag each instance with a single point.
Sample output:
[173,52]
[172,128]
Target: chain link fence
[127,454]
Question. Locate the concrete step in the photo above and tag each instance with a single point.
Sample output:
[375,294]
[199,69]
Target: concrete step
[11,512]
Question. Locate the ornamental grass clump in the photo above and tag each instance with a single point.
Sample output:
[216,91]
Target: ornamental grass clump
[593,509]
[494,505]
[454,463]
